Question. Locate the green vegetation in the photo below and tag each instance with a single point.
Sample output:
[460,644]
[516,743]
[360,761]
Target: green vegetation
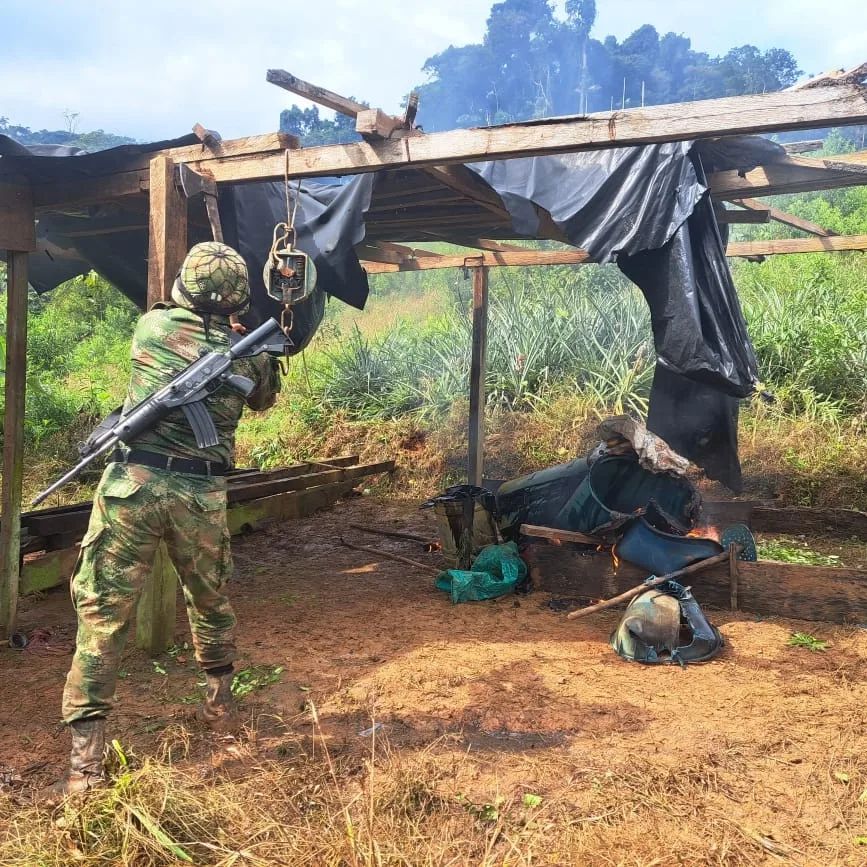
[784,550]
[808,642]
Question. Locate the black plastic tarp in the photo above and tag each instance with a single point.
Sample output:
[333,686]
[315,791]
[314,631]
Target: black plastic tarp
[647,208]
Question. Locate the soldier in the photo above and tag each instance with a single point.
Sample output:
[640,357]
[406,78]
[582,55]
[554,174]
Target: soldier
[163,487]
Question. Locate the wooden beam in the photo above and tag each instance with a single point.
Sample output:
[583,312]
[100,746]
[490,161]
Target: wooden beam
[488,259]
[17,220]
[167,243]
[837,105]
[134,180]
[791,175]
[478,368]
[320,95]
[13,437]
[785,217]
[497,246]
[385,253]
[839,243]
[751,216]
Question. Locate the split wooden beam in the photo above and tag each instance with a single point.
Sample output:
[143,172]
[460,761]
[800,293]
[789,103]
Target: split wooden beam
[167,244]
[837,243]
[790,175]
[784,217]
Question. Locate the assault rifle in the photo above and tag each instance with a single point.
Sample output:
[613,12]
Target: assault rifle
[186,391]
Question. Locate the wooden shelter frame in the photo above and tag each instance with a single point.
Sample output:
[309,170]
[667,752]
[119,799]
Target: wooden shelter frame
[838,99]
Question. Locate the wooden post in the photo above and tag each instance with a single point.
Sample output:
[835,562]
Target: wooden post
[13,438]
[168,230]
[155,617]
[167,246]
[477,376]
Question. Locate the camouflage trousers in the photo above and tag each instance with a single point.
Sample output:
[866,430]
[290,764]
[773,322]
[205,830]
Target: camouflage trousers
[135,507]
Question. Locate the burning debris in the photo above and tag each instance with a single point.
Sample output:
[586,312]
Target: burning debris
[631,497]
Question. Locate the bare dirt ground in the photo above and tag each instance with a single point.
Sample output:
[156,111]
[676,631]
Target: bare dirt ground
[758,757]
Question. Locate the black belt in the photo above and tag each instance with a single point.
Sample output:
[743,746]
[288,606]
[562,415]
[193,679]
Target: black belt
[190,466]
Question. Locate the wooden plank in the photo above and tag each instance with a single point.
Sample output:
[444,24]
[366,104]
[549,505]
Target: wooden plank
[784,217]
[167,244]
[13,437]
[298,483]
[792,175]
[766,517]
[391,254]
[249,516]
[838,243]
[556,535]
[49,570]
[751,216]
[55,568]
[17,220]
[778,589]
[44,525]
[157,606]
[251,144]
[488,259]
[320,95]
[478,369]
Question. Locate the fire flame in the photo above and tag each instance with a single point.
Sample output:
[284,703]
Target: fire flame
[707,532]
[615,558]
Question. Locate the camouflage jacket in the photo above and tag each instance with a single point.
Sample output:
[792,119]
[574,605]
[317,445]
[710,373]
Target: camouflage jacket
[164,343]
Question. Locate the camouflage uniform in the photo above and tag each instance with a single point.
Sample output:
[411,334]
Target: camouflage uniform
[135,507]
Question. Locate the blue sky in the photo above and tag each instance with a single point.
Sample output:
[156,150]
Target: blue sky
[152,69]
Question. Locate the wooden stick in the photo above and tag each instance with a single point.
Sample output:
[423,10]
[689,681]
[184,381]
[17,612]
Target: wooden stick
[649,585]
[378,553]
[395,533]
[734,576]
[559,535]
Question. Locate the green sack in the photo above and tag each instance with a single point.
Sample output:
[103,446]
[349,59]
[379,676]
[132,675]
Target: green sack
[495,572]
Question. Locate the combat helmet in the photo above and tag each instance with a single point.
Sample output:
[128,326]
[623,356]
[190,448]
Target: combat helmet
[666,624]
[212,280]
